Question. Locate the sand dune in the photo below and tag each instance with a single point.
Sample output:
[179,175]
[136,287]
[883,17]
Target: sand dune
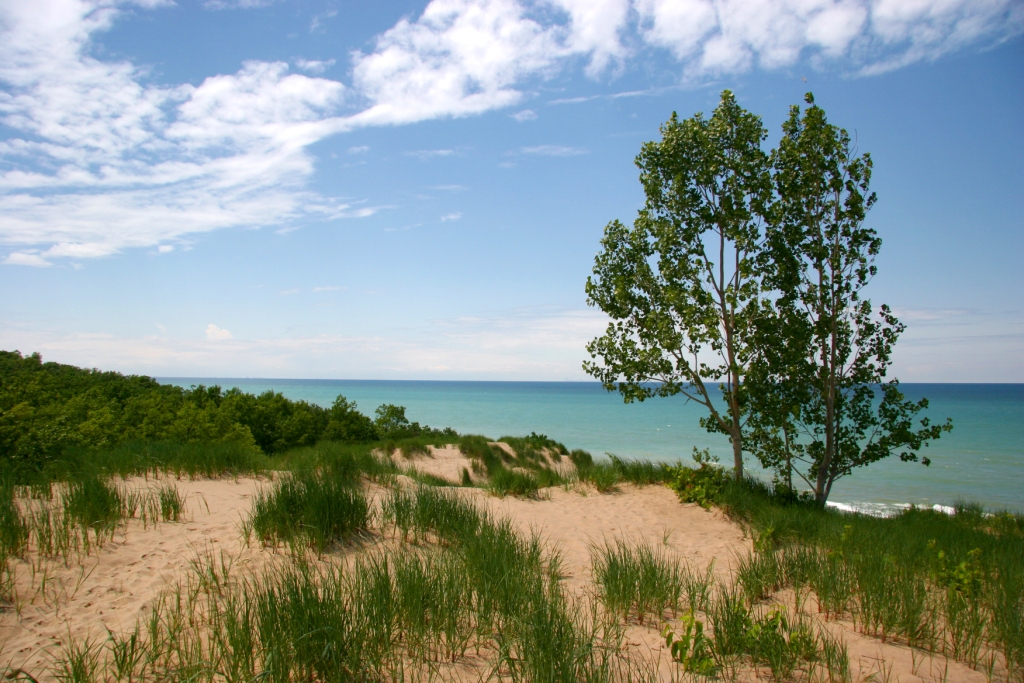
[116,586]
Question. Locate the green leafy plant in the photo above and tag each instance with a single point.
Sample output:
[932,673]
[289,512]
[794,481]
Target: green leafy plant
[701,485]
[691,648]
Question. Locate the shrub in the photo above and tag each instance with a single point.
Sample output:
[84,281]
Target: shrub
[702,485]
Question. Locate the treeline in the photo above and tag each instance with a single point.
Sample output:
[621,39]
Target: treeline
[50,409]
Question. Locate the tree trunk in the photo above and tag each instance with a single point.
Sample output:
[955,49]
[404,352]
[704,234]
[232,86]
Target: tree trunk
[737,454]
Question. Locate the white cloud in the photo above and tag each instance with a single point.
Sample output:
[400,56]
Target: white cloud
[524,115]
[314,66]
[214,333]
[552,151]
[460,57]
[728,36]
[97,159]
[424,154]
[236,4]
[165,249]
[594,29]
[327,289]
[100,162]
[451,217]
[361,149]
[26,258]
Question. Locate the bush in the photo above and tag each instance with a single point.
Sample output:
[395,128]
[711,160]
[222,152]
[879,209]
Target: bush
[702,485]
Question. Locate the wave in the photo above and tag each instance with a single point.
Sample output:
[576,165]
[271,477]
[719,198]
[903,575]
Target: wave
[885,509]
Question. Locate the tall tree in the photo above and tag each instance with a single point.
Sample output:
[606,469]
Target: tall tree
[819,401]
[679,281]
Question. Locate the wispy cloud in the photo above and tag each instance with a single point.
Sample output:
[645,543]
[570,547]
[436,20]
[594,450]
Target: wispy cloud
[424,154]
[314,66]
[552,151]
[529,344]
[318,21]
[451,217]
[26,258]
[327,289]
[573,100]
[234,4]
[361,149]
[524,115]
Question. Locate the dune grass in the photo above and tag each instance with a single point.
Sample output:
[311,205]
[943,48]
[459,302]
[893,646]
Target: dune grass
[637,580]
[950,584]
[465,583]
[313,507]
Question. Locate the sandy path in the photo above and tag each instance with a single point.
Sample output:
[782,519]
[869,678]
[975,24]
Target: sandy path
[575,521]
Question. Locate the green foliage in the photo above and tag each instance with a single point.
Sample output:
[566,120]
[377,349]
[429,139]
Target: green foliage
[692,649]
[58,422]
[769,639]
[172,503]
[486,458]
[678,283]
[13,529]
[522,474]
[391,423]
[642,472]
[581,459]
[49,412]
[819,402]
[607,475]
[531,447]
[701,485]
[749,271]
[346,424]
[400,613]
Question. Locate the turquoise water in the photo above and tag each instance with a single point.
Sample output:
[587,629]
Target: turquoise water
[982,459]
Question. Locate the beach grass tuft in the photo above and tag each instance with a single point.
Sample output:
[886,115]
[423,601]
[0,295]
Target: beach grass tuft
[313,507]
[635,579]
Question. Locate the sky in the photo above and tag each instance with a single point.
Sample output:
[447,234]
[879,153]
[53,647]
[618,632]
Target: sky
[417,190]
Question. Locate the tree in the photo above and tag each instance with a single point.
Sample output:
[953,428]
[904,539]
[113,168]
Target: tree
[678,282]
[818,401]
[348,424]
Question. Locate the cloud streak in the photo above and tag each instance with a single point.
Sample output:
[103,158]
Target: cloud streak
[518,345]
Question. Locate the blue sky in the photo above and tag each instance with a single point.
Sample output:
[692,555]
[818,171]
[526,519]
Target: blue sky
[417,190]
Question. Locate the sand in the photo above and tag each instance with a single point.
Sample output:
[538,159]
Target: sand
[116,586]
